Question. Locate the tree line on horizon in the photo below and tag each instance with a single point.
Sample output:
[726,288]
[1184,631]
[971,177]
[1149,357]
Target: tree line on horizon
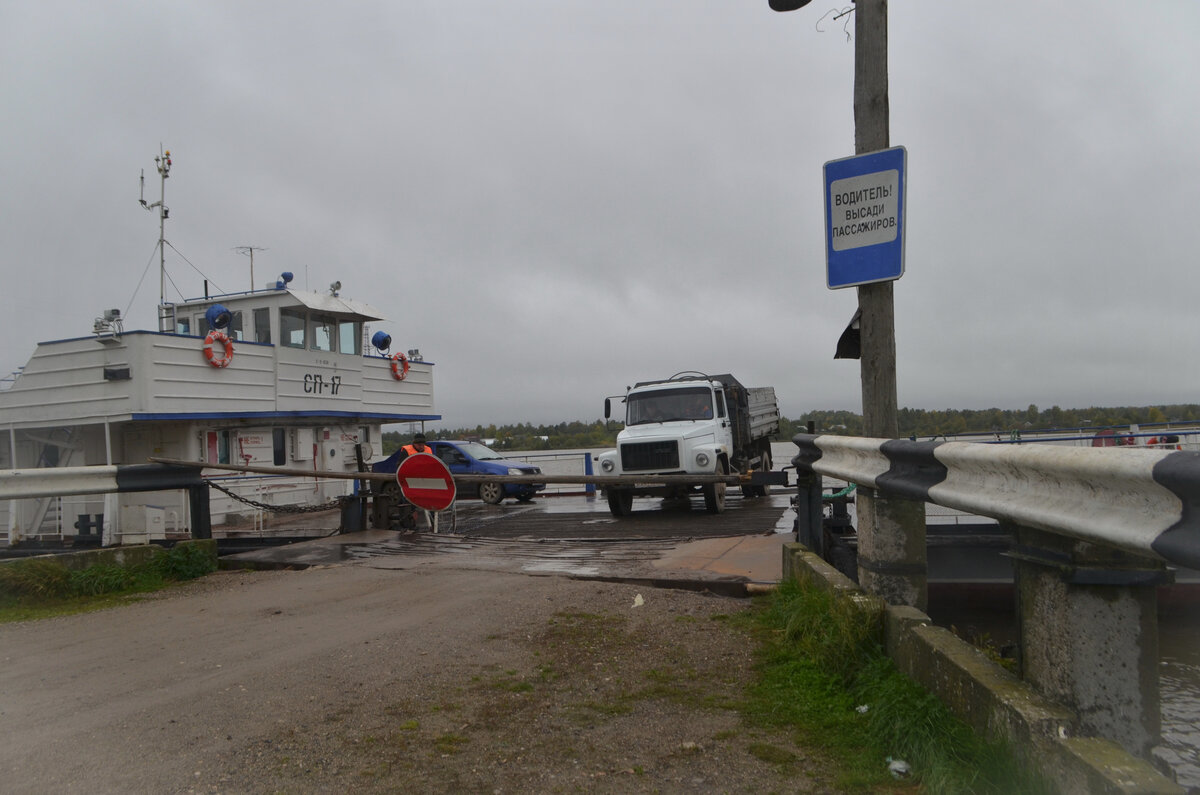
[912,422]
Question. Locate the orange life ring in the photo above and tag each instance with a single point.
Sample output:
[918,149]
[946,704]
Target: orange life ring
[399,366]
[222,338]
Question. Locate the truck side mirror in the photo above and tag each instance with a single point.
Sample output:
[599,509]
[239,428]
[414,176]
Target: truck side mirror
[607,408]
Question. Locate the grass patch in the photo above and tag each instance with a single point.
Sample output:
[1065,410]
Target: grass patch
[820,661]
[513,685]
[44,587]
[449,743]
[772,754]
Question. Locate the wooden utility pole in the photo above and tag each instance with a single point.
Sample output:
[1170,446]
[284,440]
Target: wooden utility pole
[871,122]
[891,531]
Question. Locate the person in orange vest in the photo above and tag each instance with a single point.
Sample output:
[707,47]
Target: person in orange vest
[416,446]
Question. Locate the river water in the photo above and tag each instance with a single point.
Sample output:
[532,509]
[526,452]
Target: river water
[1179,634]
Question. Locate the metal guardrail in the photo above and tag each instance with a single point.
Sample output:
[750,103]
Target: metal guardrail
[1140,500]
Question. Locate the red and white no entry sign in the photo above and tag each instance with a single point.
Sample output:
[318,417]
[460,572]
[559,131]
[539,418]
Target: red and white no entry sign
[426,482]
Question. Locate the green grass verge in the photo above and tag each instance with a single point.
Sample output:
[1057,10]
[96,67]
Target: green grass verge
[44,587]
[820,665]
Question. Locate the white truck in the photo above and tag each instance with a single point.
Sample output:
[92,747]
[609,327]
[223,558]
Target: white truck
[689,424]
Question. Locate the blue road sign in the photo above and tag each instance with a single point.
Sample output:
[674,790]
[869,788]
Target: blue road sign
[864,217]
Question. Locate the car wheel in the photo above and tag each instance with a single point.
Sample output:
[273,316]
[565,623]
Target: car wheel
[491,493]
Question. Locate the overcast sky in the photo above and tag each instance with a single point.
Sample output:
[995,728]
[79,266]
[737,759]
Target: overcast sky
[555,199]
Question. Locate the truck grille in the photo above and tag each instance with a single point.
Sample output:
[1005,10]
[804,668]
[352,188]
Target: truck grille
[650,456]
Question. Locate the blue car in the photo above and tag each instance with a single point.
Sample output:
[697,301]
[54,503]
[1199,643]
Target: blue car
[472,458]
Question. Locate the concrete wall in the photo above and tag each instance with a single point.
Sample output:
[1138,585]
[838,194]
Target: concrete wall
[984,695]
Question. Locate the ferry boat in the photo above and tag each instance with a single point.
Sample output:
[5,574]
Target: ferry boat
[274,376]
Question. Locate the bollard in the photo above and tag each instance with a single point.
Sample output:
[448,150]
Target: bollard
[85,524]
[201,517]
[353,514]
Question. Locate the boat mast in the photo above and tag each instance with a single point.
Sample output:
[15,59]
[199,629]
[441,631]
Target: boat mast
[163,163]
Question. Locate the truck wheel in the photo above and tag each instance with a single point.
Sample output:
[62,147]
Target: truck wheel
[714,493]
[620,502]
[765,466]
[491,493]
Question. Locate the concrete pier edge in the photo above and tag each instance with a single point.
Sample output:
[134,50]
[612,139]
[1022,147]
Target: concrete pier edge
[985,696]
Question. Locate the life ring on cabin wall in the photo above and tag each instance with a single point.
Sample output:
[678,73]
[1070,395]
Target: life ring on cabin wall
[399,366]
[220,338]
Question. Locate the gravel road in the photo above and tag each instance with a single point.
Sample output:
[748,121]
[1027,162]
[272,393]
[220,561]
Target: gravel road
[355,677]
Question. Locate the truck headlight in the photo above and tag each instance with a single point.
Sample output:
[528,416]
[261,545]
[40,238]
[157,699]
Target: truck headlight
[607,465]
[701,459]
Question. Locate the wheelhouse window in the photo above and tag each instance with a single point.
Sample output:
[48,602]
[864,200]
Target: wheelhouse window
[262,325]
[349,337]
[291,328]
[183,325]
[322,332]
[318,332]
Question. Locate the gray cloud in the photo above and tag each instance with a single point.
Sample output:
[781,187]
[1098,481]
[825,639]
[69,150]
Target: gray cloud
[555,200]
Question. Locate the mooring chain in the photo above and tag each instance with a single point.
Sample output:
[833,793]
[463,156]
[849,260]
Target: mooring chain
[336,502]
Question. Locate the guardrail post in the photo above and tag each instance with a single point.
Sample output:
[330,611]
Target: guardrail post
[1089,633]
[809,512]
[891,548]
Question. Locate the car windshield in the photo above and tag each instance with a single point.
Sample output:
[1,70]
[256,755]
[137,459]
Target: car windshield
[480,452]
[665,405]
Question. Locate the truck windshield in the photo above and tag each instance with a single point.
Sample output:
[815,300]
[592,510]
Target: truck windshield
[666,405]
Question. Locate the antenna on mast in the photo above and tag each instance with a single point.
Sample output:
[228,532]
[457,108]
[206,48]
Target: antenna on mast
[163,163]
[249,251]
